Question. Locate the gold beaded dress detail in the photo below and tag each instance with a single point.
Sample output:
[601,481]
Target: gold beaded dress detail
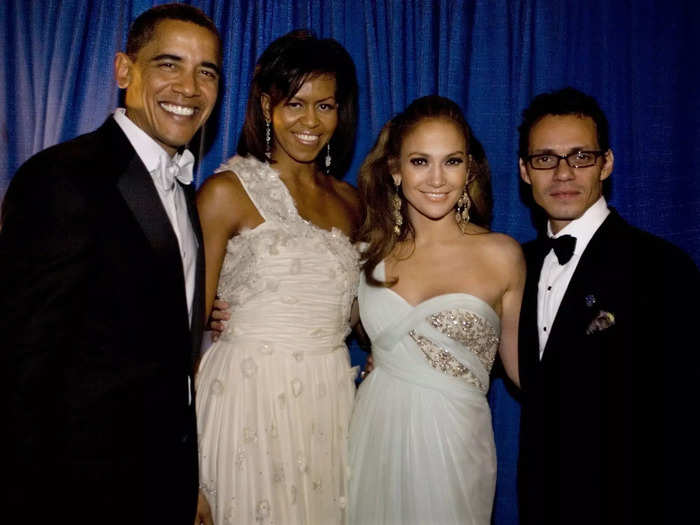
[421,440]
[275,393]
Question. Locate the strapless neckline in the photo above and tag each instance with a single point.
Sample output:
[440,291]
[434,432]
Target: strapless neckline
[381,269]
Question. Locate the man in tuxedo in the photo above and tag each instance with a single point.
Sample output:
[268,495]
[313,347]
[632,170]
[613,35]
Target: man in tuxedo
[101,297]
[607,363]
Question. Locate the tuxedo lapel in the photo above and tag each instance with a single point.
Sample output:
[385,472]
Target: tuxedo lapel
[577,307]
[529,345]
[198,299]
[141,197]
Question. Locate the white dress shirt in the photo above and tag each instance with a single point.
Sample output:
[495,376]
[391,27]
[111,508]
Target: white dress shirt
[174,201]
[555,277]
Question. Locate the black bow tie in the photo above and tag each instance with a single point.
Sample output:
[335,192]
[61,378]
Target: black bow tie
[563,247]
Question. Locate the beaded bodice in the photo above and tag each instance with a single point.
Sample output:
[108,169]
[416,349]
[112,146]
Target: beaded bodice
[286,275]
[449,337]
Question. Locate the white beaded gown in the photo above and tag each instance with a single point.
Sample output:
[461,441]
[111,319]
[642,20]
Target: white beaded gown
[421,441]
[275,393]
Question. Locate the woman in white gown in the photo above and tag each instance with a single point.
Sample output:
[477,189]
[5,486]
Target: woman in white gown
[438,298]
[275,392]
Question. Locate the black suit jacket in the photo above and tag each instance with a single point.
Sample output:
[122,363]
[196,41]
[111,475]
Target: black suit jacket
[606,425]
[97,349]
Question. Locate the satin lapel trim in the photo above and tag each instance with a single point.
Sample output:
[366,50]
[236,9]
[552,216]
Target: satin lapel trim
[197,327]
[142,198]
[530,332]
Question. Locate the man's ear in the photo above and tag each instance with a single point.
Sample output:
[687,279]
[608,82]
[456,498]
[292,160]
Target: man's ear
[523,172]
[265,106]
[608,161]
[122,70]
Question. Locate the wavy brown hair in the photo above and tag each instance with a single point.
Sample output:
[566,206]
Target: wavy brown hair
[376,183]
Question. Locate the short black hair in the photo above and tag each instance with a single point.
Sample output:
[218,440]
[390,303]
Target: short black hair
[566,101]
[142,29]
[280,72]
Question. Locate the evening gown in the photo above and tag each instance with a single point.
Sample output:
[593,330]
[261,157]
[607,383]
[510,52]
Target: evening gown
[421,447]
[275,392]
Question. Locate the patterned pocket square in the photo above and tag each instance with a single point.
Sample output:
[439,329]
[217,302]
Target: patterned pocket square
[602,321]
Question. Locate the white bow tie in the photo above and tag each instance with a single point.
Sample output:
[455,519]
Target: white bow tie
[179,167]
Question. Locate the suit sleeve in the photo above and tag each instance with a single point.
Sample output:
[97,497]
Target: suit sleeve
[44,259]
[680,342]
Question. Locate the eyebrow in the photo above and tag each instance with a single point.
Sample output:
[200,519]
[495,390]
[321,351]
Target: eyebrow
[175,58]
[550,151]
[457,152]
[332,97]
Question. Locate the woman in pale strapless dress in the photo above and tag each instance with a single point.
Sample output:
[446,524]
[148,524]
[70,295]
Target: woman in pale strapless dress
[439,296]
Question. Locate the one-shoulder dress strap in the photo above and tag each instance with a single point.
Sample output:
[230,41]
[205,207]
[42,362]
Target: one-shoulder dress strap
[264,187]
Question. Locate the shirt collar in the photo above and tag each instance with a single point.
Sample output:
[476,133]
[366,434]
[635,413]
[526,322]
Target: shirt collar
[585,226]
[149,151]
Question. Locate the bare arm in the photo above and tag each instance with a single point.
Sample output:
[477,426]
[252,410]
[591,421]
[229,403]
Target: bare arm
[223,207]
[512,298]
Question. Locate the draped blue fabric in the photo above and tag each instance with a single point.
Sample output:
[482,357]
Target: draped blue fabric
[639,59]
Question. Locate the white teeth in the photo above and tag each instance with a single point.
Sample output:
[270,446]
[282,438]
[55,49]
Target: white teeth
[178,110]
[306,137]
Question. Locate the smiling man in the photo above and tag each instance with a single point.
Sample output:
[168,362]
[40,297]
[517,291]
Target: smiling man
[101,296]
[604,362]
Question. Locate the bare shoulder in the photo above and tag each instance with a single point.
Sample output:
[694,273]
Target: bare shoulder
[500,249]
[223,197]
[222,185]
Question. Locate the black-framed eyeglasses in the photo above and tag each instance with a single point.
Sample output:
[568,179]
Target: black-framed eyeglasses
[577,159]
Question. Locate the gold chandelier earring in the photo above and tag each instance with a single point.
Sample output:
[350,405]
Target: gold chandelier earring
[462,212]
[464,203]
[396,209]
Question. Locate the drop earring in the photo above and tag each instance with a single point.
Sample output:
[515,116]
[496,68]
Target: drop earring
[396,210]
[462,211]
[464,203]
[328,158]
[268,139]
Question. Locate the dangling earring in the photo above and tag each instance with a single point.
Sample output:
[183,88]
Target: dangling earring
[268,139]
[328,158]
[464,203]
[396,210]
[462,211]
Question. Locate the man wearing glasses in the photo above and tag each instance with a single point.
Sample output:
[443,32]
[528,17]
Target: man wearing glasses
[605,346]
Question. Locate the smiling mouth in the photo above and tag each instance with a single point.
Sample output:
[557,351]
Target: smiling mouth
[307,138]
[183,111]
[435,196]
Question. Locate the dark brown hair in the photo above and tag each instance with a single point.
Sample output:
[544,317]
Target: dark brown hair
[142,29]
[377,188]
[566,101]
[281,70]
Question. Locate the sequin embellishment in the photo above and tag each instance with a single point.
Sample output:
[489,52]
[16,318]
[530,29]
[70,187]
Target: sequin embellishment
[471,330]
[468,329]
[444,361]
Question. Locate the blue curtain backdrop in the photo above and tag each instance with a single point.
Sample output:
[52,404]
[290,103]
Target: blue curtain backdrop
[639,58]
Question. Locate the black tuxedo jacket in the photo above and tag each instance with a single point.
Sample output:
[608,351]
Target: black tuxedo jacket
[606,416]
[96,344]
